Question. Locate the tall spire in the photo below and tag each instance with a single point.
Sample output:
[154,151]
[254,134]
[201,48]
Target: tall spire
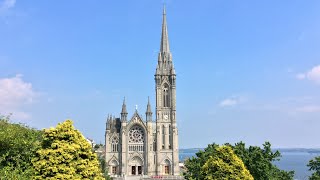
[164,46]
[124,107]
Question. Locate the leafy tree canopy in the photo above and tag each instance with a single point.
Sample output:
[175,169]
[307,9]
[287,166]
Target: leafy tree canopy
[18,145]
[66,154]
[225,165]
[314,165]
[194,164]
[259,162]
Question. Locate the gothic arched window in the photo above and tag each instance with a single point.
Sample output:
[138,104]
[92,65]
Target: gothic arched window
[166,95]
[114,144]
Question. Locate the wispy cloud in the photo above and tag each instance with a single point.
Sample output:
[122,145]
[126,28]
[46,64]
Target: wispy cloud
[231,101]
[312,75]
[14,94]
[6,5]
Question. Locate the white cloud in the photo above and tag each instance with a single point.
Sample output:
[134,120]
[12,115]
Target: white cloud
[7,4]
[309,109]
[15,94]
[312,75]
[232,101]
[228,102]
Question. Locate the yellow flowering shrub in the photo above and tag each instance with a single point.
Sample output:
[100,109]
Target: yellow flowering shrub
[66,154]
[225,165]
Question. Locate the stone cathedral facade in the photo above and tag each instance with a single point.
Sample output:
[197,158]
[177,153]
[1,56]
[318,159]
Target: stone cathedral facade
[137,145]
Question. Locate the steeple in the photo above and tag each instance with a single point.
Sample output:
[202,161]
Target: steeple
[148,107]
[124,112]
[165,64]
[148,112]
[164,46]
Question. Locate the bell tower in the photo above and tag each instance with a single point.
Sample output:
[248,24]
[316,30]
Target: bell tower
[165,86]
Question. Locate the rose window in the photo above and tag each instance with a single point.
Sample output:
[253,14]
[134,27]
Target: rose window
[136,135]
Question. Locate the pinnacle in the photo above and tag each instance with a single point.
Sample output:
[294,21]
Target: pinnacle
[164,47]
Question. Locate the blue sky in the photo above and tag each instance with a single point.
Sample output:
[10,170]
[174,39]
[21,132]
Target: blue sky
[246,70]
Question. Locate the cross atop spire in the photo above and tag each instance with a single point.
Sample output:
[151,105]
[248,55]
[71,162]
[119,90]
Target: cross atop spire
[164,46]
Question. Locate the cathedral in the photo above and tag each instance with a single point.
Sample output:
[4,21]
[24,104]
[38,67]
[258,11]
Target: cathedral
[136,145]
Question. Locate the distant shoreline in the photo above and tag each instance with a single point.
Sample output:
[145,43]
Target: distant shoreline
[306,150]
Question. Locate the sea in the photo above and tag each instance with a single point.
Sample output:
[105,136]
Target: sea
[292,159]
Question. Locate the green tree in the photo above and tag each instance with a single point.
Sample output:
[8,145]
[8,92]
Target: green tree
[18,145]
[65,154]
[225,165]
[259,161]
[97,146]
[194,164]
[314,165]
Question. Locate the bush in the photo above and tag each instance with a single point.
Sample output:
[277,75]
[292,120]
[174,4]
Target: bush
[66,154]
[18,145]
[225,165]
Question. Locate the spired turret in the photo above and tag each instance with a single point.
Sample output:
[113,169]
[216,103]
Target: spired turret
[149,112]
[108,122]
[124,112]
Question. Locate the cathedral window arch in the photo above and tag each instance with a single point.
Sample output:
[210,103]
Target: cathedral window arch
[166,95]
[114,144]
[136,138]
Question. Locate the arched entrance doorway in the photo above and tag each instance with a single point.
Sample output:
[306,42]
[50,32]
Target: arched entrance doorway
[136,166]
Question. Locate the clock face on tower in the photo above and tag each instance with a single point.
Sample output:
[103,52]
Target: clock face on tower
[165,117]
